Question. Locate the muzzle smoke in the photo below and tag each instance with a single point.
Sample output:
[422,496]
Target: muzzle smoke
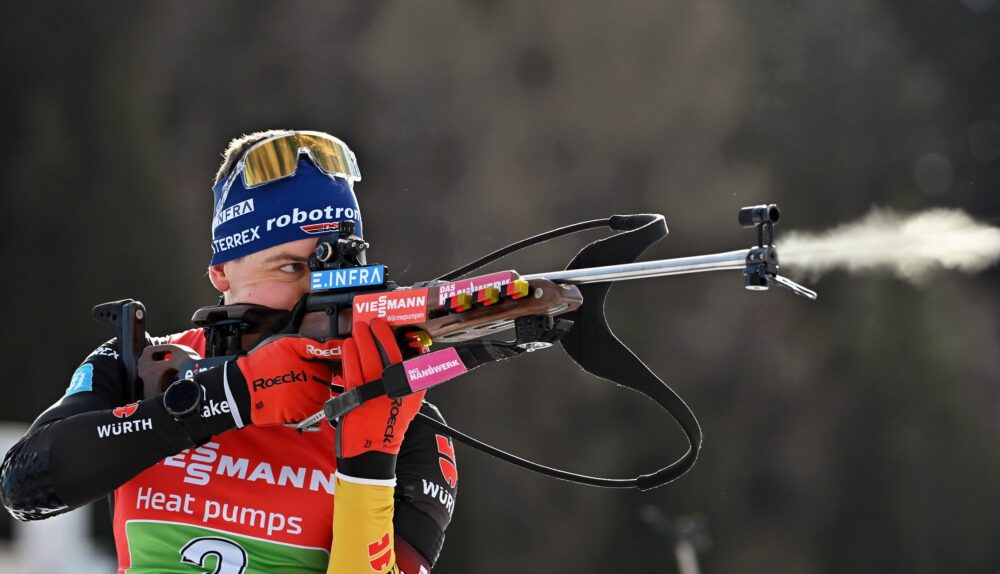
[910,246]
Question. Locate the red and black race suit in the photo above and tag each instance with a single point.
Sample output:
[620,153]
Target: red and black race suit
[258,496]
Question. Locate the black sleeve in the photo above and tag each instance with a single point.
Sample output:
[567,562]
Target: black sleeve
[426,483]
[90,442]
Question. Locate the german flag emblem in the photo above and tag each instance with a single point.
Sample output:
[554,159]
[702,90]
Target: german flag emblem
[325,227]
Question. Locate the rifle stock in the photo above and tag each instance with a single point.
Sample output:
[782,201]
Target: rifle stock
[446,315]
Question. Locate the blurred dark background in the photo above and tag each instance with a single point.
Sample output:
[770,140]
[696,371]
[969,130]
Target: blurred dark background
[852,434]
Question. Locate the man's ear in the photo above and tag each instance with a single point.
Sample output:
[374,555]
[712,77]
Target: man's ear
[217,275]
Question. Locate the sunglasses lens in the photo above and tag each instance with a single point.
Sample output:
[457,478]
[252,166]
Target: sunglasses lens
[331,157]
[270,160]
[276,158]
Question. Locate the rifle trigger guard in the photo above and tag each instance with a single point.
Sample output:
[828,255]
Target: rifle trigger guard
[535,332]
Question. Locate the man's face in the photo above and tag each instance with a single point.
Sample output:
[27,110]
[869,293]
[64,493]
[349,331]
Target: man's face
[276,277]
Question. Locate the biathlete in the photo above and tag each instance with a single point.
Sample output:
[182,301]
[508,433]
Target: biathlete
[208,476]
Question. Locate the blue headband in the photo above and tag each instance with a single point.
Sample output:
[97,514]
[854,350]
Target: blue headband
[307,204]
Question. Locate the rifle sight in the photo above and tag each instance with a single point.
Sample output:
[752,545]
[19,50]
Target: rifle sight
[757,214]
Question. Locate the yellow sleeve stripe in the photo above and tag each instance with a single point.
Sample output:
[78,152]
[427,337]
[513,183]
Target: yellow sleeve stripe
[362,529]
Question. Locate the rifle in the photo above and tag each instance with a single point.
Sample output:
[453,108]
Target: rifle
[465,317]
[128,319]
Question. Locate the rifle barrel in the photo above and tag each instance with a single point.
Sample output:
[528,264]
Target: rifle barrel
[730,260]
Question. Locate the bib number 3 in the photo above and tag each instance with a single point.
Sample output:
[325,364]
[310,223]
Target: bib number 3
[230,557]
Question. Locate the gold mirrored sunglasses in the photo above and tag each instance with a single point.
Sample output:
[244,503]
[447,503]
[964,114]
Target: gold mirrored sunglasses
[278,157]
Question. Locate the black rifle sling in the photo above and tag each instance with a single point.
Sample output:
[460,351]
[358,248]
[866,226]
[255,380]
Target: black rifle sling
[598,351]
[593,346]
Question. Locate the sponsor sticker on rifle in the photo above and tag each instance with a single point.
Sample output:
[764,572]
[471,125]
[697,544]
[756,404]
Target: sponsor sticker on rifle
[433,368]
[403,307]
[348,277]
[472,285]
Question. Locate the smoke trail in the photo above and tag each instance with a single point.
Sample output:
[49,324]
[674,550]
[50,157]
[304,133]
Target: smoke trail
[911,246]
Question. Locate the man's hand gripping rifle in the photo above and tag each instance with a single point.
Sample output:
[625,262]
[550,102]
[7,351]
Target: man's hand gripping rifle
[467,316]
